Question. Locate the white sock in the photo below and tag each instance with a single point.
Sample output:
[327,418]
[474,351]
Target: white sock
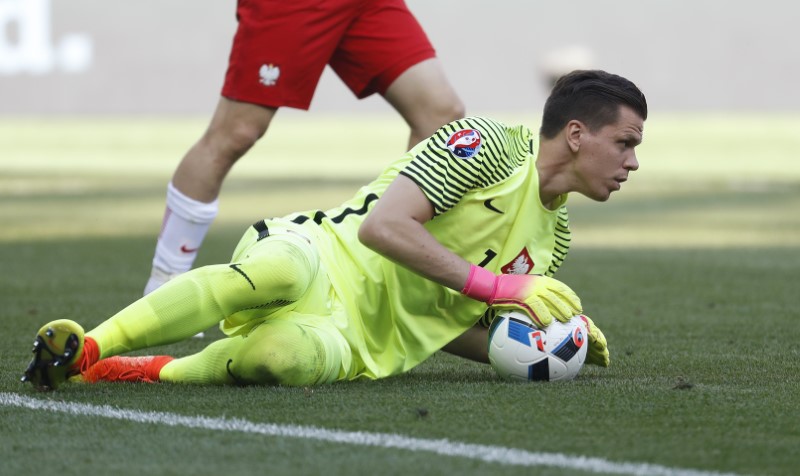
[186,222]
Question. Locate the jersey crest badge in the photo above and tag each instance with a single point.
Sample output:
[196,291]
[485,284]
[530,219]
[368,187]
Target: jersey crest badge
[522,264]
[465,143]
[268,74]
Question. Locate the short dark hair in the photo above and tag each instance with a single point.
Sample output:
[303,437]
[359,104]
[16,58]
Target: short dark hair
[592,97]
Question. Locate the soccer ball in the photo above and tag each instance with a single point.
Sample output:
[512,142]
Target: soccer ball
[519,350]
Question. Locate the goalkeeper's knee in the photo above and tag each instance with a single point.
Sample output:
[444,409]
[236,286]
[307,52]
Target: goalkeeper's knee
[276,272]
[286,264]
[281,352]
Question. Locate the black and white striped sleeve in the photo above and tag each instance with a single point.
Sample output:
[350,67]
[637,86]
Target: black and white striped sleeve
[461,156]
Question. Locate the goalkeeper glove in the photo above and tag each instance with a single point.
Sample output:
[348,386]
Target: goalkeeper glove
[597,354]
[540,297]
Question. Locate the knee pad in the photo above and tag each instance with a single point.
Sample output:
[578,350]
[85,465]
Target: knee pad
[279,352]
[273,273]
[284,265]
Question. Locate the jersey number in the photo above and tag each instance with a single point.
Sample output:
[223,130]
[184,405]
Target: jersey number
[489,257]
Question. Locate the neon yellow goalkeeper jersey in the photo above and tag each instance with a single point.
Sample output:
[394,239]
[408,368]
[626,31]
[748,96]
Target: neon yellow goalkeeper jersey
[481,178]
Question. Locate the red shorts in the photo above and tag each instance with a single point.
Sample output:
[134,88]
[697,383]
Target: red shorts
[282,46]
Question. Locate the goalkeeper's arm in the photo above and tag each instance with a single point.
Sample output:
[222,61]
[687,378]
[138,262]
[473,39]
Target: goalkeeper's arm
[394,228]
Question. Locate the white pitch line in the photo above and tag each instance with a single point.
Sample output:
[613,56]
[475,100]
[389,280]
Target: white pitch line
[485,453]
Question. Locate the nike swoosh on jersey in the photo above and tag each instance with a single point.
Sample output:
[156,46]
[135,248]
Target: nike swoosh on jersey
[185,249]
[488,204]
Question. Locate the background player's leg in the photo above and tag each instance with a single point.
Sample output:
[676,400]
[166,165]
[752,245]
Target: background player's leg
[424,97]
[277,352]
[274,273]
[192,193]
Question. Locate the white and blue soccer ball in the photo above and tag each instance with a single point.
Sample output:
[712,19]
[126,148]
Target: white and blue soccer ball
[519,350]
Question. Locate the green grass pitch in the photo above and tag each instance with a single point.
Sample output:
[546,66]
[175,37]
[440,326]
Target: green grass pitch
[692,271]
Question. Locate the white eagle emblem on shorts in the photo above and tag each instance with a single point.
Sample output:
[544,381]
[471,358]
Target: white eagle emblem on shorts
[269,74]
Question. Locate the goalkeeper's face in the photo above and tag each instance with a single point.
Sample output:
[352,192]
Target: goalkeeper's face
[607,156]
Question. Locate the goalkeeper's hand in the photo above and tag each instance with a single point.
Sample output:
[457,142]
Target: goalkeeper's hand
[540,297]
[597,354]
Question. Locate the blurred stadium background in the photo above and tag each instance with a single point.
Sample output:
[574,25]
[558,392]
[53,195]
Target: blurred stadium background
[153,57]
[115,89]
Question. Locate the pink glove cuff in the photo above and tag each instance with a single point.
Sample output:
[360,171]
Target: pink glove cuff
[481,284]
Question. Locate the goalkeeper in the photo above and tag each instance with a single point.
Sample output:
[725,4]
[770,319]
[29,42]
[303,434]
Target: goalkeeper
[470,221]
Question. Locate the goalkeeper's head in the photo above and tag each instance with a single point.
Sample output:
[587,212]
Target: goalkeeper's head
[593,97]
